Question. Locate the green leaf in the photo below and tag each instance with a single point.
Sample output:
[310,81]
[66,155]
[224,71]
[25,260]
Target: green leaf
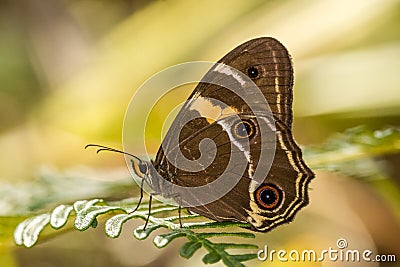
[354,153]
[245,257]
[59,216]
[86,212]
[84,204]
[94,223]
[113,226]
[141,233]
[219,234]
[161,241]
[19,231]
[342,150]
[211,258]
[27,232]
[237,246]
[189,248]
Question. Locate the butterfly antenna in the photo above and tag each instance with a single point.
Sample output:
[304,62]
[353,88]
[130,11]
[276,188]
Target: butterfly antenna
[105,148]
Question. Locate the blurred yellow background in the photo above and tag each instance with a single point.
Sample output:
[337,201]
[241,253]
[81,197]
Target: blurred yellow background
[69,68]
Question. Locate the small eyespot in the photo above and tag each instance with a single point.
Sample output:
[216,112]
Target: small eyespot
[252,72]
[243,129]
[268,196]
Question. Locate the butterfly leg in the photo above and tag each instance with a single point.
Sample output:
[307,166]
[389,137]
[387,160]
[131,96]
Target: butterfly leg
[178,199]
[140,199]
[148,215]
[180,216]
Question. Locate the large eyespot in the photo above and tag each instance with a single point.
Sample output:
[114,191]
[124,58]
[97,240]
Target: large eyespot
[252,72]
[243,129]
[268,196]
[140,168]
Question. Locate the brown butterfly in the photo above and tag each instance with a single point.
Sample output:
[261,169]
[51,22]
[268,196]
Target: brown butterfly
[225,132]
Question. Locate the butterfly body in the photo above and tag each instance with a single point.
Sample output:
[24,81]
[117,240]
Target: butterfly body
[219,132]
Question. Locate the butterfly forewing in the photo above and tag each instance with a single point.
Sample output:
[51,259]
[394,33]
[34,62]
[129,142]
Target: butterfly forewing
[274,77]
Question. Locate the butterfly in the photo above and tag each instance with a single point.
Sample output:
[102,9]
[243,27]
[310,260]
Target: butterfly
[230,154]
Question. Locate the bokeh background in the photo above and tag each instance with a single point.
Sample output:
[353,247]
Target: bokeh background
[69,68]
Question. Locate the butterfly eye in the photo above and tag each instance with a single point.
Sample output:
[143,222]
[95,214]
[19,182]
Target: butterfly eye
[268,196]
[140,168]
[244,129]
[252,72]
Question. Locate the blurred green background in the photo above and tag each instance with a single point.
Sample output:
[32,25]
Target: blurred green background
[69,68]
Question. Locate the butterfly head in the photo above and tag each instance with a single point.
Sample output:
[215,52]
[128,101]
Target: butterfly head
[146,171]
[140,168]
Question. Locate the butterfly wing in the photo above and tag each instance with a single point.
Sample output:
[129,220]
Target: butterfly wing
[268,64]
[288,174]
[265,56]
